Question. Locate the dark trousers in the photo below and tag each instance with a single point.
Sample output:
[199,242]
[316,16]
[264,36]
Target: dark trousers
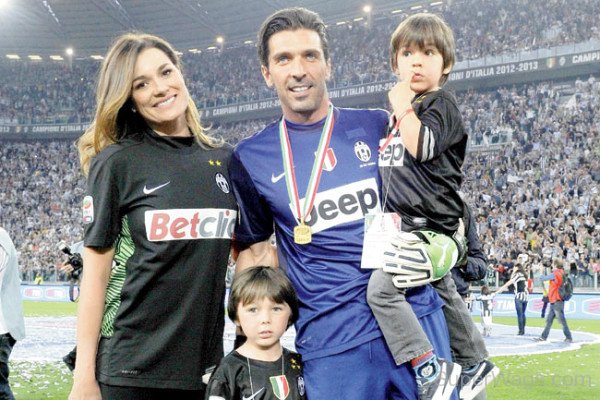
[521,307]
[110,392]
[557,310]
[6,345]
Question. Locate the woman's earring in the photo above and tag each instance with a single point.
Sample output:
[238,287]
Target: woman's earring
[133,110]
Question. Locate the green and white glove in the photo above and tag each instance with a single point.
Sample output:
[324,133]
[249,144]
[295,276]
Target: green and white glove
[422,256]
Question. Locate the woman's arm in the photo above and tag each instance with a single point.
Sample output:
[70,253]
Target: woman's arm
[507,284]
[97,267]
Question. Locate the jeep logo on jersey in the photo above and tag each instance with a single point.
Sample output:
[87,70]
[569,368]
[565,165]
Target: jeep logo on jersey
[393,156]
[362,151]
[342,204]
[194,223]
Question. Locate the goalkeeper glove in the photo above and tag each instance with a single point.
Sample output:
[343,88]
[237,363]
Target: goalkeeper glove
[421,257]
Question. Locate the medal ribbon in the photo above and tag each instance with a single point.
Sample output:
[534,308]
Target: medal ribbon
[317,170]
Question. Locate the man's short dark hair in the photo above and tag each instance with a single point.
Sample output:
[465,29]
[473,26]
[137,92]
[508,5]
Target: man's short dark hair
[290,19]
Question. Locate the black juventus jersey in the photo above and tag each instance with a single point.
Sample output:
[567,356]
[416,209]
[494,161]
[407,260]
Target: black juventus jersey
[520,286]
[423,190]
[231,380]
[487,303]
[165,205]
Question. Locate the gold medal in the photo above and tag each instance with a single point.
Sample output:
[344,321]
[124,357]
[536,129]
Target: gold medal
[302,234]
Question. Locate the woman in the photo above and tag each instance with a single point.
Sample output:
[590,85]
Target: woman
[518,278]
[158,204]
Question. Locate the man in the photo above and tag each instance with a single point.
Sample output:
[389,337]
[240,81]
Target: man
[12,324]
[311,177]
[557,305]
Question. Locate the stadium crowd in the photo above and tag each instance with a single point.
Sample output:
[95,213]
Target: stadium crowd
[42,92]
[540,194]
[532,177]
[40,202]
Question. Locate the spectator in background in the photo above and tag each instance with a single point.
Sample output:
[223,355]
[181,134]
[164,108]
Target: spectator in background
[518,279]
[487,305]
[12,324]
[557,305]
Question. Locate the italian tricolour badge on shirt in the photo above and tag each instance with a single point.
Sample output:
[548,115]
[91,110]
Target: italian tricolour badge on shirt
[281,388]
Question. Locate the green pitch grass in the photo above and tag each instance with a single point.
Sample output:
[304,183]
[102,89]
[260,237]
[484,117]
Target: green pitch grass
[562,376]
[40,381]
[49,309]
[556,376]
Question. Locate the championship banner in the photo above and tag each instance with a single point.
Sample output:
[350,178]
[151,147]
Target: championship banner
[462,73]
[519,67]
[44,128]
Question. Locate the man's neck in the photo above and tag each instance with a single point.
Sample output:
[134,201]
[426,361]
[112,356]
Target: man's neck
[308,117]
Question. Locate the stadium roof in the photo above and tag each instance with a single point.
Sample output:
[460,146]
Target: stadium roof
[47,27]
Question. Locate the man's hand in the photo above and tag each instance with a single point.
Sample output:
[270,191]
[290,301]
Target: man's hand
[462,245]
[66,267]
[420,257]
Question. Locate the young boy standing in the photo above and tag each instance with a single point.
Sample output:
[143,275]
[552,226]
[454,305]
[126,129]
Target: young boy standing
[487,304]
[420,165]
[263,303]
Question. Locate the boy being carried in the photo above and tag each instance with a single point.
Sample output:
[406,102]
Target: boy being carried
[422,187]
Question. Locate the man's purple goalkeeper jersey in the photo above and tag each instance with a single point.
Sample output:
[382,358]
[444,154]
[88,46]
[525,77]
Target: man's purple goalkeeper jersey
[331,286]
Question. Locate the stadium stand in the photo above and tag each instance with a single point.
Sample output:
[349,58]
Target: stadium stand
[39,92]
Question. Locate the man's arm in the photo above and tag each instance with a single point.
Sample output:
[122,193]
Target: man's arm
[255,225]
[476,267]
[549,277]
[261,253]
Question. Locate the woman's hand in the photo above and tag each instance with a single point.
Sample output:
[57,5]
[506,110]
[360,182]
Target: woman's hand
[85,389]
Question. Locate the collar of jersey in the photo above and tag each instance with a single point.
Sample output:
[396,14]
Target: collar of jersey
[310,128]
[179,145]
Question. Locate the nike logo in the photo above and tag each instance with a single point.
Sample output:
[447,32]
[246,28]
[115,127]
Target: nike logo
[154,189]
[277,178]
[253,396]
